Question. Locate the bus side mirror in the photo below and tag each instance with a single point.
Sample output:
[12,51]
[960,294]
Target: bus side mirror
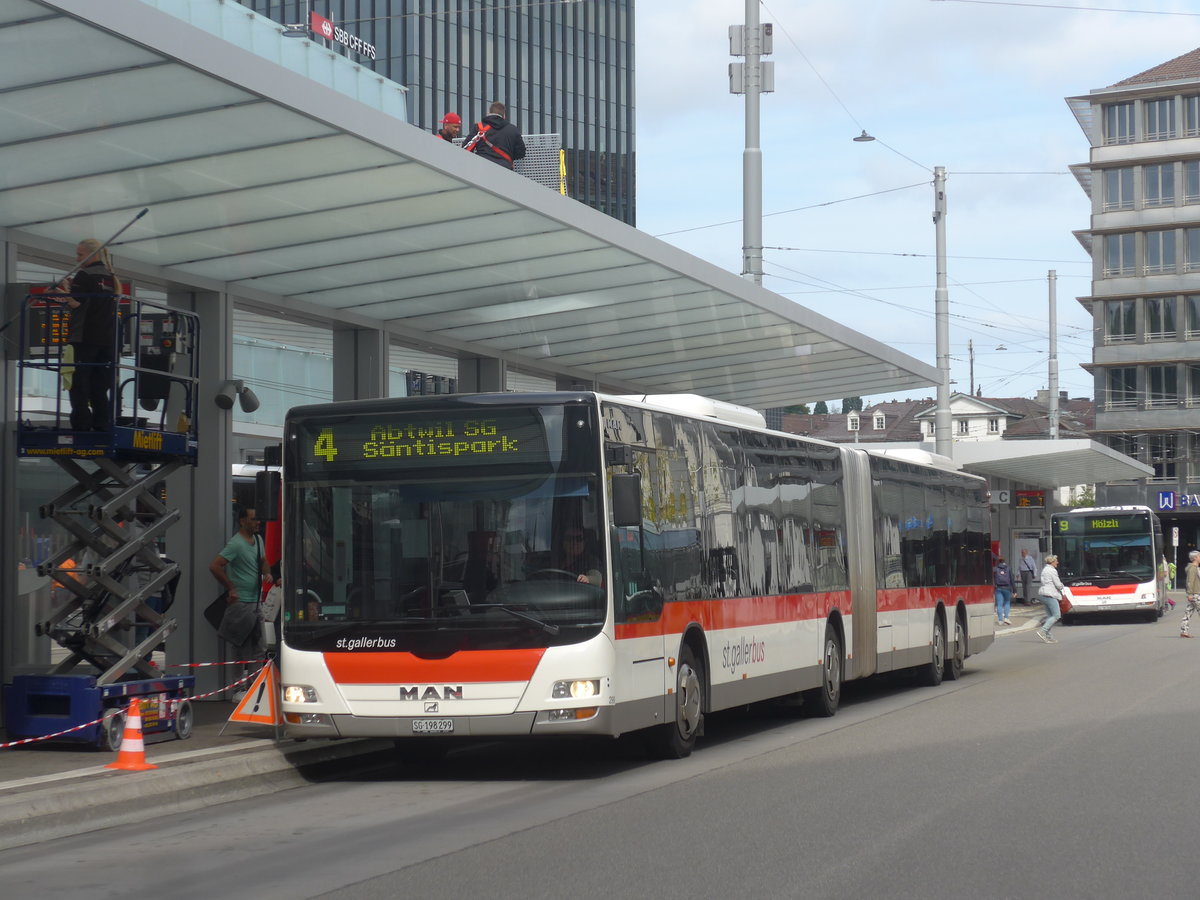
[627,500]
[267,488]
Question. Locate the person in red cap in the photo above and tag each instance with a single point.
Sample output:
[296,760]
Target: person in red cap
[451,126]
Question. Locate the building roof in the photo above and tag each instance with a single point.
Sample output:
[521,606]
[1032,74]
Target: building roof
[1185,66]
[1024,452]
[899,424]
[267,185]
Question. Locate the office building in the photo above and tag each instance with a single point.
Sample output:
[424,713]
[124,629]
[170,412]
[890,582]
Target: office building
[561,67]
[1143,177]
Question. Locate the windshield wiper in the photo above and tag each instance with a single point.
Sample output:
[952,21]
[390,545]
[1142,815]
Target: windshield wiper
[525,617]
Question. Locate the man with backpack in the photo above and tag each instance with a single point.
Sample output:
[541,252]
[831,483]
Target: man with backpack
[496,138]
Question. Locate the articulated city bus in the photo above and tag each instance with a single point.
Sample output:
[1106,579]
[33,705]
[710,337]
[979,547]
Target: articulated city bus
[583,564]
[1111,559]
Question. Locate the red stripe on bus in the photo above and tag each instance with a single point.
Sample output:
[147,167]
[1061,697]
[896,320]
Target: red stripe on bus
[902,599]
[740,612]
[747,612]
[1092,590]
[405,668]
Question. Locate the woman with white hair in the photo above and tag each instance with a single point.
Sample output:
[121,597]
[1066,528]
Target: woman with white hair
[1050,593]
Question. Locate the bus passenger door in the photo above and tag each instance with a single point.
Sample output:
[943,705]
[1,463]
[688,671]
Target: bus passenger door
[637,609]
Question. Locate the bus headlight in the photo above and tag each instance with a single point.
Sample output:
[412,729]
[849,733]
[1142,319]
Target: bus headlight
[579,690]
[299,693]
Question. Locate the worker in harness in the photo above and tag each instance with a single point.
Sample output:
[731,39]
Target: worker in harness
[496,138]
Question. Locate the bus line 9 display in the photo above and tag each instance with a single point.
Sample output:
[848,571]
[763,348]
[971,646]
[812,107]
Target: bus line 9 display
[1111,559]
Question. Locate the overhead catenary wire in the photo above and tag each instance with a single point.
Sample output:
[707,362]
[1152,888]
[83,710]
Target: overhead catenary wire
[1109,9]
[782,212]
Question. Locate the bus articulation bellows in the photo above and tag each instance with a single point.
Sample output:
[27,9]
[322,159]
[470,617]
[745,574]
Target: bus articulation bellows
[584,564]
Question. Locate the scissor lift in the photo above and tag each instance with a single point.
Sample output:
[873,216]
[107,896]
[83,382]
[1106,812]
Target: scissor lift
[110,569]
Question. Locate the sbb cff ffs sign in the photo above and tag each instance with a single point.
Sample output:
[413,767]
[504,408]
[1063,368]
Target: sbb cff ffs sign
[323,27]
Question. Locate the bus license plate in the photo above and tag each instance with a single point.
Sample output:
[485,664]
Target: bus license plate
[433,726]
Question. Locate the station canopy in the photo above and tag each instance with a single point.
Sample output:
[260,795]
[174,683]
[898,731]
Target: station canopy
[271,186]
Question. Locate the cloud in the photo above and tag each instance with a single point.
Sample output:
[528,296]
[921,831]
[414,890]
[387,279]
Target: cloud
[972,87]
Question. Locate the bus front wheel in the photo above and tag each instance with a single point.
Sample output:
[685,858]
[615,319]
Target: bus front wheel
[677,739]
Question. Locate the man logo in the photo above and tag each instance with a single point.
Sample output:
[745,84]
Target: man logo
[431,707]
[447,692]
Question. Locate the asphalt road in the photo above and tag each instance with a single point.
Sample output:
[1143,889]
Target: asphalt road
[1047,771]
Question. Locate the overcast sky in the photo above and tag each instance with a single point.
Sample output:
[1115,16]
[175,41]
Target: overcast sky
[976,87]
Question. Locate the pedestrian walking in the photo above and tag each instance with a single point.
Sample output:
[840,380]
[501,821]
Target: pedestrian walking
[1028,569]
[1050,593]
[1167,572]
[496,138]
[1002,582]
[1191,576]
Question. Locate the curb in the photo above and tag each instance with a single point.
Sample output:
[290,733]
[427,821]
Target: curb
[1026,625]
[86,800]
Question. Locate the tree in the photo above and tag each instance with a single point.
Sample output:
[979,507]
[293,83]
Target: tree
[801,409]
[821,409]
[852,403]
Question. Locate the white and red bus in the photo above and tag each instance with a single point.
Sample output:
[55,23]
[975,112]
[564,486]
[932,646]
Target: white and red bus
[1111,559]
[431,591]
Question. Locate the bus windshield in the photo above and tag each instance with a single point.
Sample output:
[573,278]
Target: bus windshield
[465,550]
[1106,548]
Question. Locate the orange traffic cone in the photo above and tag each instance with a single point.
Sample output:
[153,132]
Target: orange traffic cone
[132,755]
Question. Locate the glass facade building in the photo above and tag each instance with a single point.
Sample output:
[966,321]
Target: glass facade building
[561,67]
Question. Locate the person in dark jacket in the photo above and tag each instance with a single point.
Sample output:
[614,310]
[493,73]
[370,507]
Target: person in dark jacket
[451,126]
[496,138]
[1002,581]
[91,334]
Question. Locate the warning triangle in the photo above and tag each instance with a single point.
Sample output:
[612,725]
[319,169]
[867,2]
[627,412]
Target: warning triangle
[260,706]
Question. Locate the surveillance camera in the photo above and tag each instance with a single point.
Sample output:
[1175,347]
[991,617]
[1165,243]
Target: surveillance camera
[227,394]
[247,400]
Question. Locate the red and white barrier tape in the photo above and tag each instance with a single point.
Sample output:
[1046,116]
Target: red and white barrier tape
[170,700]
[46,737]
[232,662]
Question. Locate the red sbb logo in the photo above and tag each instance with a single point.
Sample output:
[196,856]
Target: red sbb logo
[322,26]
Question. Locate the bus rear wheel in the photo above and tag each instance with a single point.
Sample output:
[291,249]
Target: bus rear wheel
[823,701]
[677,739]
[957,657]
[931,673]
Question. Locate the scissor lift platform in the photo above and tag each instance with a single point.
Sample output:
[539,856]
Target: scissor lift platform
[41,705]
[110,571]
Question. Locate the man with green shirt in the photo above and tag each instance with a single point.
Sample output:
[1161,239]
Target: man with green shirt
[241,565]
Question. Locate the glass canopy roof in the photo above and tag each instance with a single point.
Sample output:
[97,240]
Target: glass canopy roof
[296,193]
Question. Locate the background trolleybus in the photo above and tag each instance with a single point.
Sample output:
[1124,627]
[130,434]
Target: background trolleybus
[1111,557]
[711,563]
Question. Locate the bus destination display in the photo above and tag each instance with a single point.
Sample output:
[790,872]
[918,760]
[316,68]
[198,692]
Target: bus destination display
[1100,524]
[425,440]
